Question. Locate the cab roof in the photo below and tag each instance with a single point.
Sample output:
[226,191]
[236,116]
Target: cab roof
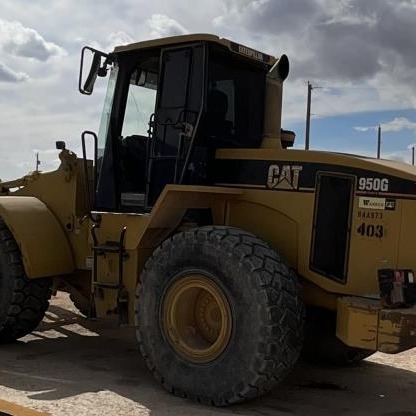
[200,37]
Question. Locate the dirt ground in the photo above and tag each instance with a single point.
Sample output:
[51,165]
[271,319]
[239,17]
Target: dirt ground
[74,366]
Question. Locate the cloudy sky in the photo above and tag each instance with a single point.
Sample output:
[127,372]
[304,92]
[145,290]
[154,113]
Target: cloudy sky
[360,56]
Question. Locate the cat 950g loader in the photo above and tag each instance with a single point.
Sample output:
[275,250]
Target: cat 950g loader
[198,223]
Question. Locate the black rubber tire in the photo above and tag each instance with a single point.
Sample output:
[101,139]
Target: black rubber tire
[322,346]
[23,302]
[266,306]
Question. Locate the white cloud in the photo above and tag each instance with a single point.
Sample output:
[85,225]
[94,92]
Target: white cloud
[393,126]
[22,41]
[46,152]
[8,75]
[358,128]
[117,39]
[336,42]
[398,155]
[352,44]
[398,124]
[160,25]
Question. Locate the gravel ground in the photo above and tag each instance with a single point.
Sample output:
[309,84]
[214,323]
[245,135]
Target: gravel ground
[74,366]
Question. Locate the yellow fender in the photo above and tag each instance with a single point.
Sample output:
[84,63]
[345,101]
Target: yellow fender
[43,244]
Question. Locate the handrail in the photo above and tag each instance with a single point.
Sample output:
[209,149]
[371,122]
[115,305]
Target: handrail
[90,196]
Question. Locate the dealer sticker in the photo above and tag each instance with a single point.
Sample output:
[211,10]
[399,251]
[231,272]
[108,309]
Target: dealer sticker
[377,203]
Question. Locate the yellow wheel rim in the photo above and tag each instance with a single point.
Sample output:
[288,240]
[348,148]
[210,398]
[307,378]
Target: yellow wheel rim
[197,318]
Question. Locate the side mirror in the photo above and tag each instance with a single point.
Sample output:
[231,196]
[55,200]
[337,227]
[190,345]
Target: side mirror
[98,67]
[60,145]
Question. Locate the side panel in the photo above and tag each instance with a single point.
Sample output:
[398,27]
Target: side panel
[375,239]
[43,244]
[269,224]
[380,218]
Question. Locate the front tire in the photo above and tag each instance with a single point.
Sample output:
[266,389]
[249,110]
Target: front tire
[23,302]
[219,315]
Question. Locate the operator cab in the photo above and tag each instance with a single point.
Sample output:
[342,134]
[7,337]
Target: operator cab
[170,104]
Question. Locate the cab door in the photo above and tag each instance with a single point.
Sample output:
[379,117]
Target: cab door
[179,105]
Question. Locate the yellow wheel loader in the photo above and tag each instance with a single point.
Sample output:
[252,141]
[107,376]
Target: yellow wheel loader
[198,223]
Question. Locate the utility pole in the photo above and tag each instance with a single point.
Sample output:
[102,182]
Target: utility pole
[308,116]
[413,155]
[379,142]
[37,162]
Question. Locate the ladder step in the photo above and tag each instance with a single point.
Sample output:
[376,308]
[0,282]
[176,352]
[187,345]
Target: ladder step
[106,285]
[108,247]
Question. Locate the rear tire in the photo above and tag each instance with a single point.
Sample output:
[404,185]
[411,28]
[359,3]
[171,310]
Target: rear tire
[219,316]
[23,302]
[322,345]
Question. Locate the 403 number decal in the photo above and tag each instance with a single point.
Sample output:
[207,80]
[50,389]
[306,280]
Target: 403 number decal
[370,230]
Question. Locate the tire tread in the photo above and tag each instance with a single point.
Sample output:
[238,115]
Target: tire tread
[274,283]
[29,299]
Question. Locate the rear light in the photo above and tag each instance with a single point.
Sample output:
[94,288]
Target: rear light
[397,288]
